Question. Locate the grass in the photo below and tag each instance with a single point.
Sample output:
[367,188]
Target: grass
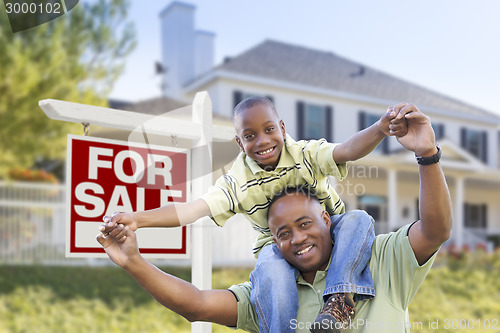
[89,299]
[462,289]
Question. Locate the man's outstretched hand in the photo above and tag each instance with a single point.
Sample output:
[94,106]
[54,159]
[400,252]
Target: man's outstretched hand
[120,245]
[420,136]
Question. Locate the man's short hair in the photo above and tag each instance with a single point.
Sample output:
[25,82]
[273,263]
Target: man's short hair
[249,102]
[305,190]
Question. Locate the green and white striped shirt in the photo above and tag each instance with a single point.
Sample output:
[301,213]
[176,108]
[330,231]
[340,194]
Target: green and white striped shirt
[248,189]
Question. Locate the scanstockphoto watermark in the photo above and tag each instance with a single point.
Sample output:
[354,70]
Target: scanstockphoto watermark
[27,14]
[358,324]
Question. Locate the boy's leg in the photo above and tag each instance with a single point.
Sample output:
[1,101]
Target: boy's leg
[274,291]
[353,235]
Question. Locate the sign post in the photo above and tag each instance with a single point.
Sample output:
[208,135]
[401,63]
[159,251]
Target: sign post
[202,179]
[200,131]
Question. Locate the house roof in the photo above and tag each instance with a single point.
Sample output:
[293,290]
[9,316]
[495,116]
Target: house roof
[153,106]
[162,105]
[326,70]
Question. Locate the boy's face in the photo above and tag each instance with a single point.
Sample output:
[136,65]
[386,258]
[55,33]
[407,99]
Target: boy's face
[260,134]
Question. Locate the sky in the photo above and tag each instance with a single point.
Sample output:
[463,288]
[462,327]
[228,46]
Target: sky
[449,46]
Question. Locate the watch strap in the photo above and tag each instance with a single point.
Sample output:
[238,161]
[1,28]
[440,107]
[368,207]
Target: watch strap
[429,159]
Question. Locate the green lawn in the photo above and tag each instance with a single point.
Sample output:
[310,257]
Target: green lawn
[461,290]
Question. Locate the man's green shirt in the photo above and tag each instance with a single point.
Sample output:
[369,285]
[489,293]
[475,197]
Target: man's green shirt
[396,275]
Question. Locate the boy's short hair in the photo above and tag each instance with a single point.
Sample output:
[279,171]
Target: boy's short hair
[305,190]
[249,102]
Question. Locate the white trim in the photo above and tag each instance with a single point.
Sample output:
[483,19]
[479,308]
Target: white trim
[302,88]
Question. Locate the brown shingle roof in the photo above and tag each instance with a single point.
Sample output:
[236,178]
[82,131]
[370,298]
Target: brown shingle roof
[153,106]
[297,64]
[161,105]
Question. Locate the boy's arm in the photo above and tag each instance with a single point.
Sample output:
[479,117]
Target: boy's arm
[218,306]
[365,141]
[172,215]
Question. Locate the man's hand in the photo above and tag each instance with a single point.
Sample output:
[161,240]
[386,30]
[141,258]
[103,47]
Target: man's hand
[391,126]
[420,137]
[120,245]
[110,222]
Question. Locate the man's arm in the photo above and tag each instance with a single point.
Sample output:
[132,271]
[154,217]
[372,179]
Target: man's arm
[365,141]
[217,306]
[434,226]
[171,215]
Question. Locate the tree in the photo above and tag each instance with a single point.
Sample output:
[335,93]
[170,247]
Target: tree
[76,57]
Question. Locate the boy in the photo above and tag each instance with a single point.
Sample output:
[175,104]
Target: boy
[269,162]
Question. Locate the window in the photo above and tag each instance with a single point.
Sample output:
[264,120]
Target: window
[475,142]
[238,96]
[438,130]
[366,120]
[475,216]
[314,121]
[374,205]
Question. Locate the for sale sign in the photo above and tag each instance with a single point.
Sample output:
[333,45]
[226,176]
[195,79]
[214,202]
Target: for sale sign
[106,176]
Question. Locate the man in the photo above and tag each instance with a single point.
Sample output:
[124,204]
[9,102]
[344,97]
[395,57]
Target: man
[399,264]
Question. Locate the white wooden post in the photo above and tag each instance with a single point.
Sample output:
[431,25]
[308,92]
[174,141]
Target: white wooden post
[200,130]
[201,162]
[129,120]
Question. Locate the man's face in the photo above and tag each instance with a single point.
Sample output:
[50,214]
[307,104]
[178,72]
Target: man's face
[301,230]
[260,134]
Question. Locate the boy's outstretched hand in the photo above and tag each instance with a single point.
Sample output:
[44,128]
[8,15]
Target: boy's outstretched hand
[391,125]
[111,222]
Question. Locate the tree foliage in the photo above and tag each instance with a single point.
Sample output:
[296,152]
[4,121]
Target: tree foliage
[76,57]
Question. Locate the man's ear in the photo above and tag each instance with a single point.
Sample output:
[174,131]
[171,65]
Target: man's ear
[282,128]
[275,241]
[238,141]
[326,217]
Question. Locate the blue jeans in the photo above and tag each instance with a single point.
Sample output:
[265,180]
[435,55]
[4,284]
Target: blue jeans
[274,289]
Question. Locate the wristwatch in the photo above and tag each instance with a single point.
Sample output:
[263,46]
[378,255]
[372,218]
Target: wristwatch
[430,159]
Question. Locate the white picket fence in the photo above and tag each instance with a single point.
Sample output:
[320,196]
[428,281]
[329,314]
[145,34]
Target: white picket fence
[33,230]
[31,223]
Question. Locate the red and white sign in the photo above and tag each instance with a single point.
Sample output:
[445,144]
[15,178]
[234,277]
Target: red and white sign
[104,176]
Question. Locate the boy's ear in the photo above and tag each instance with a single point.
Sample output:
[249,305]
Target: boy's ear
[238,141]
[282,128]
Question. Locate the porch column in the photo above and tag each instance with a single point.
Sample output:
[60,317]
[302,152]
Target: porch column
[458,212]
[392,204]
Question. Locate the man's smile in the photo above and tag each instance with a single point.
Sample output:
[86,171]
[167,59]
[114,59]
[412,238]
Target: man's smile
[304,250]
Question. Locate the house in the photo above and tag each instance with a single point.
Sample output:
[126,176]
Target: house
[319,94]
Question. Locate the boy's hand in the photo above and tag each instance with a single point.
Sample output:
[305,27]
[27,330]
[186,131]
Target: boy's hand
[111,222]
[391,125]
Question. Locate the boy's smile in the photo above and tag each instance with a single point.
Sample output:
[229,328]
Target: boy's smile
[260,134]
